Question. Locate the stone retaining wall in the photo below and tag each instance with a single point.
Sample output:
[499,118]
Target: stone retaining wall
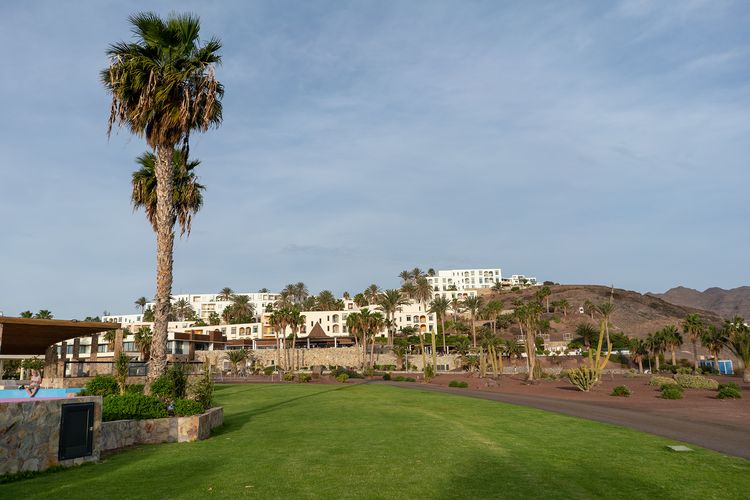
[30,434]
[122,433]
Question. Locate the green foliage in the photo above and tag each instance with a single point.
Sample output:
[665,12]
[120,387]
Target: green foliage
[102,385]
[120,370]
[134,389]
[671,391]
[132,406]
[429,372]
[621,391]
[657,381]
[187,407]
[584,378]
[268,370]
[178,374]
[342,377]
[696,382]
[458,383]
[288,377]
[401,378]
[202,390]
[386,376]
[350,373]
[729,391]
[303,378]
[33,364]
[163,387]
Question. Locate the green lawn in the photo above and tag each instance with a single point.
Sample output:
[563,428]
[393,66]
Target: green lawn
[374,441]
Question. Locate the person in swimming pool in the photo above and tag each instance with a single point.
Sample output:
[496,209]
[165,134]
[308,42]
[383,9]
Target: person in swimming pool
[36,382]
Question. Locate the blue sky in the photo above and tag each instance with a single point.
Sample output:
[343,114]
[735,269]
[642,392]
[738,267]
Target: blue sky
[582,142]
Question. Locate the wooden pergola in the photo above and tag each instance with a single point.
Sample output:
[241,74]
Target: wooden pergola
[22,336]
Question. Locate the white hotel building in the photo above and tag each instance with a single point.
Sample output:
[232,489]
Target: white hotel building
[463,280]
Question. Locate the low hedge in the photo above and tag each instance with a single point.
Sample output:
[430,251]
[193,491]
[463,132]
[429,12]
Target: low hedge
[342,377]
[657,381]
[695,382]
[187,407]
[102,385]
[458,383]
[132,406]
[401,378]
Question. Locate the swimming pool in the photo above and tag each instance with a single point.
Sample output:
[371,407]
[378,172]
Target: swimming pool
[43,393]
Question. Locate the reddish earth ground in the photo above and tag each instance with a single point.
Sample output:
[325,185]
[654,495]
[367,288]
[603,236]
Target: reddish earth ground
[699,418]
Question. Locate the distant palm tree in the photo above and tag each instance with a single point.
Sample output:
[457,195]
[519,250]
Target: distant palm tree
[326,301]
[300,291]
[587,333]
[497,287]
[638,349]
[182,309]
[694,327]
[360,300]
[225,294]
[405,276]
[714,340]
[672,340]
[163,87]
[543,295]
[390,301]
[371,294]
[456,308]
[346,296]
[564,305]
[26,314]
[491,311]
[236,356]
[473,305]
[296,321]
[142,339]
[141,302]
[738,341]
[439,307]
[409,289]
[242,309]
[263,290]
[44,314]
[655,344]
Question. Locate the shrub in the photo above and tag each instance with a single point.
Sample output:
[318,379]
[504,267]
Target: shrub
[134,389]
[132,406]
[350,373]
[303,378]
[386,376]
[684,370]
[342,377]
[178,374]
[409,379]
[288,377]
[671,391]
[584,378]
[458,383]
[187,407]
[163,387]
[120,369]
[102,385]
[657,381]
[429,372]
[400,378]
[621,391]
[729,391]
[268,370]
[696,382]
[202,390]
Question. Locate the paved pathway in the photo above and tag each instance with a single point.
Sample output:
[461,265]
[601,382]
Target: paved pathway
[726,438]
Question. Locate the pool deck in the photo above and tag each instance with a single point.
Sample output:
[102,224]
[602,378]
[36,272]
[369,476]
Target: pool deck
[26,399]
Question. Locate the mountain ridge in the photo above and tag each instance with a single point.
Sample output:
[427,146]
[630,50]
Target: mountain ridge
[727,303]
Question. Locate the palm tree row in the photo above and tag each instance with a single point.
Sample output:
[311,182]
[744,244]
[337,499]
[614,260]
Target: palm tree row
[366,325]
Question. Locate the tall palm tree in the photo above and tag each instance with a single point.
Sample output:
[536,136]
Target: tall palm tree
[236,356]
[738,341]
[326,301]
[638,349]
[225,294]
[672,340]
[300,291]
[586,332]
[409,289]
[390,301]
[242,308]
[181,309]
[439,307]
[655,344]
[543,295]
[141,302]
[360,300]
[472,305]
[491,311]
[694,327]
[296,321]
[405,276]
[163,87]
[187,196]
[714,340]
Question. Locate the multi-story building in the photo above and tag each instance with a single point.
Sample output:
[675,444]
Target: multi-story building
[519,280]
[462,280]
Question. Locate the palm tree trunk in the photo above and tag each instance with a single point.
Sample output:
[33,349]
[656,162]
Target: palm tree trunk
[421,347]
[442,325]
[372,351]
[695,355]
[434,350]
[473,331]
[657,361]
[674,361]
[640,365]
[164,254]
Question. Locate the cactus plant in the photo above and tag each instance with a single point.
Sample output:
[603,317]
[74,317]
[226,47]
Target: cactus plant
[584,378]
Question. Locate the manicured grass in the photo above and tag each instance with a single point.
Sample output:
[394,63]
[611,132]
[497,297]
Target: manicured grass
[376,441]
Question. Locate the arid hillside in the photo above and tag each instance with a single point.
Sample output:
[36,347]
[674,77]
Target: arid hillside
[635,314]
[725,303]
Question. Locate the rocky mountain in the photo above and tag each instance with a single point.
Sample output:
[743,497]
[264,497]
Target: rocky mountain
[725,303]
[635,314]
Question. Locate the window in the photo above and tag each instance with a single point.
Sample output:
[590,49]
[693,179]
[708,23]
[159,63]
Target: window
[84,349]
[102,348]
[69,349]
[234,330]
[201,346]
[255,329]
[129,347]
[408,318]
